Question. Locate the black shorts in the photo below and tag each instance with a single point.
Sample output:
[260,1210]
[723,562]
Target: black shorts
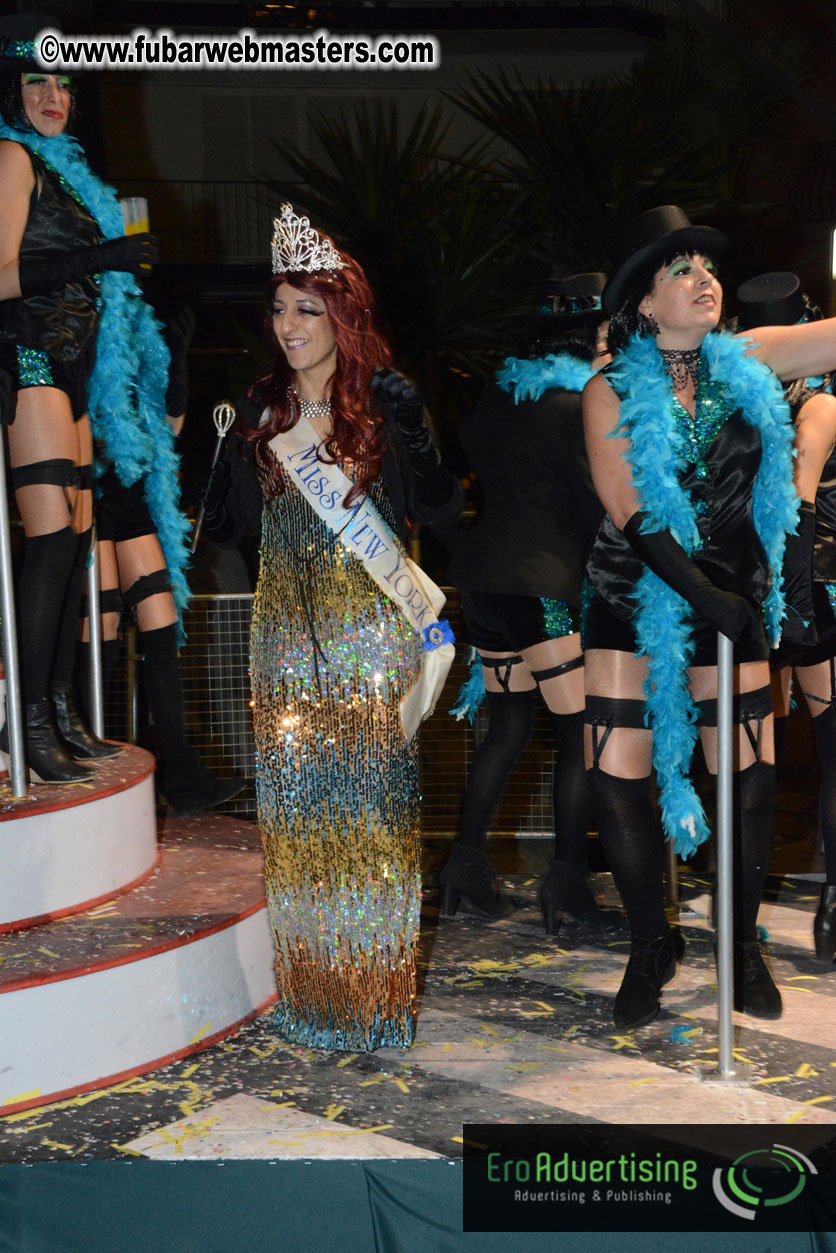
[824,613]
[29,367]
[498,623]
[121,512]
[602,629]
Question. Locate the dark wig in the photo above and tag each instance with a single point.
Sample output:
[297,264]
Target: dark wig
[626,321]
[357,435]
[799,391]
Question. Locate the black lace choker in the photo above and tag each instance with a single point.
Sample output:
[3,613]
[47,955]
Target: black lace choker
[681,364]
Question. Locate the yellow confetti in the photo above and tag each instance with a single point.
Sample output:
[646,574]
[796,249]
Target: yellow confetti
[635,1083]
[624,1041]
[120,1148]
[368,1082]
[471,983]
[567,1035]
[774,1079]
[54,1144]
[400,1083]
[345,1060]
[334,1111]
[796,978]
[190,1070]
[483,1026]
[47,952]
[543,1005]
[198,1035]
[488,963]
[805,1071]
[786,989]
[817,1100]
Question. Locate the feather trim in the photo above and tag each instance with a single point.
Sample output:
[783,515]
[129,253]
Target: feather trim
[528,379]
[471,693]
[126,390]
[662,625]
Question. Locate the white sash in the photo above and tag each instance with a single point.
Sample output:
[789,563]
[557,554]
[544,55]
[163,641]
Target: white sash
[362,531]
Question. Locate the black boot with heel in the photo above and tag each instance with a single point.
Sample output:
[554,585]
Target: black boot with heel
[46,757]
[81,742]
[824,927]
[468,875]
[565,892]
[652,964]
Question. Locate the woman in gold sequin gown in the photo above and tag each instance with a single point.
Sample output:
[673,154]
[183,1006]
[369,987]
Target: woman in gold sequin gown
[336,779]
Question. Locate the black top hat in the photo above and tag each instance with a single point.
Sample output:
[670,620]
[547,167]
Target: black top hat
[652,237]
[774,299]
[573,301]
[17,42]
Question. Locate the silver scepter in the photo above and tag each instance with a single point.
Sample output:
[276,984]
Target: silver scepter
[223,415]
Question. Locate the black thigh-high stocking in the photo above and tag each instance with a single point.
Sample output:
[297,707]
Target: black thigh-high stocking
[570,788]
[627,826]
[164,693]
[824,729]
[42,589]
[510,719]
[110,602]
[753,792]
[62,671]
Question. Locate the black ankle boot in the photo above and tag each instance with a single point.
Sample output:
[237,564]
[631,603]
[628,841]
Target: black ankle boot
[652,964]
[46,757]
[197,788]
[755,992]
[824,928]
[469,874]
[81,742]
[566,890]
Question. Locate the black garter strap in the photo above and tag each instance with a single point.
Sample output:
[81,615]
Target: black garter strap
[59,472]
[504,664]
[149,585]
[606,712]
[110,601]
[820,700]
[554,671]
[747,707]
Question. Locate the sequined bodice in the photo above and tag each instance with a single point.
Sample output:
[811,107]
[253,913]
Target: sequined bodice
[721,456]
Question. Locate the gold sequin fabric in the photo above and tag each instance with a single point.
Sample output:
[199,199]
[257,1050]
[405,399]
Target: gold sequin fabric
[336,785]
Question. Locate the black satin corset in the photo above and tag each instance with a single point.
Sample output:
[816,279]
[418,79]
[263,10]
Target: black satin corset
[59,323]
[732,555]
[824,551]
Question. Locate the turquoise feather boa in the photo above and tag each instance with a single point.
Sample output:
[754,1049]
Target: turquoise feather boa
[657,460]
[126,392]
[528,379]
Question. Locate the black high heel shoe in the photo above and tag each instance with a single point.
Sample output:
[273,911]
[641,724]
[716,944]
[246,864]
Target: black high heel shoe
[199,789]
[566,891]
[81,742]
[824,927]
[652,964]
[469,875]
[46,757]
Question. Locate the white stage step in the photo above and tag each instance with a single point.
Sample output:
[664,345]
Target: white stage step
[66,849]
[149,976]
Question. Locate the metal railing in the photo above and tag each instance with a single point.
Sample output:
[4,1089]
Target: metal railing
[215,663]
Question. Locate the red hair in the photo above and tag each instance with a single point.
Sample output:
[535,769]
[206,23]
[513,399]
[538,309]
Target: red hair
[357,433]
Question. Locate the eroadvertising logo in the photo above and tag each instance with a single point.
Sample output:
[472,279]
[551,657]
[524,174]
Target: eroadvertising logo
[600,1177]
[741,1186]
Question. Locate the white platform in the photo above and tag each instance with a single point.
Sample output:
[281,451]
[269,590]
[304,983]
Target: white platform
[63,849]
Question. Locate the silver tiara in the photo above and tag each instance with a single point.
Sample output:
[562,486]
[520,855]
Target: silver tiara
[297,246]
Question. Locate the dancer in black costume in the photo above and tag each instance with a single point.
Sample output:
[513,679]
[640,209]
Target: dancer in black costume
[520,567]
[689,444]
[778,299]
[51,253]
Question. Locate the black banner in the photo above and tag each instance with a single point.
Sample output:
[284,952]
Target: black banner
[600,1177]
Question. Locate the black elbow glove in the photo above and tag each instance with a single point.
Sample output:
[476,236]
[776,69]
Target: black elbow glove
[130,253]
[6,402]
[661,553]
[401,401]
[179,333]
[799,625]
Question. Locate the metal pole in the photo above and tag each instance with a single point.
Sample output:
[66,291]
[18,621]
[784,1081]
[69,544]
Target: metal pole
[14,706]
[94,617]
[724,921]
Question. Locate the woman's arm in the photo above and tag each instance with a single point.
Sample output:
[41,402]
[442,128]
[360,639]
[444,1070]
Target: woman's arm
[815,436]
[611,472]
[795,352]
[17,181]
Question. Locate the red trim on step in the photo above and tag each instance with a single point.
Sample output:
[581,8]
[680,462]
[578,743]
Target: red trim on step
[121,1076]
[23,924]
